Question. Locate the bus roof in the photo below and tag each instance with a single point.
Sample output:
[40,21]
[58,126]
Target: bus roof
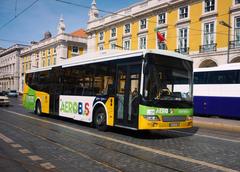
[109,55]
[232,66]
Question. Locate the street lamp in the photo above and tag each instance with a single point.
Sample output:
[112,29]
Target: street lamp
[229,27]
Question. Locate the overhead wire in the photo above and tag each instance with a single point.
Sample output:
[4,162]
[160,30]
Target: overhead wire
[17,15]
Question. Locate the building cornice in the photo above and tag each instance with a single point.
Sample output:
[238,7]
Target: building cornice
[12,49]
[60,38]
[134,12]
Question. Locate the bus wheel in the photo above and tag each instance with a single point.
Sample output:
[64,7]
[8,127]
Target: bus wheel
[38,109]
[100,119]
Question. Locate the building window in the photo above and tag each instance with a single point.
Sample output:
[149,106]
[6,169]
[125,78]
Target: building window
[75,49]
[113,32]
[143,24]
[208,37]
[209,5]
[161,45]
[183,40]
[100,47]
[237,31]
[54,50]
[101,36]
[54,59]
[142,42]
[113,45]
[48,60]
[127,28]
[43,53]
[237,1]
[183,12]
[126,44]
[162,18]
[49,52]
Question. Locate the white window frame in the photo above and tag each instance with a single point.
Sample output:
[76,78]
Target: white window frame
[162,32]
[113,45]
[111,32]
[236,41]
[178,37]
[203,9]
[101,40]
[158,18]
[101,47]
[49,61]
[141,23]
[125,40]
[139,41]
[77,50]
[124,29]
[203,30]
[188,8]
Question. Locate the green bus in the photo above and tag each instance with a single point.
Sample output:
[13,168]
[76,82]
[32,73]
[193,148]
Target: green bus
[138,90]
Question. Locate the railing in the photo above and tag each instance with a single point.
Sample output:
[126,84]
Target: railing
[234,44]
[162,46]
[182,50]
[207,48]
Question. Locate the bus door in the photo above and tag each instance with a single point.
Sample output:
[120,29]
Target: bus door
[127,96]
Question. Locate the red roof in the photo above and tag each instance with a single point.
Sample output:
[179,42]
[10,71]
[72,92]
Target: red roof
[80,33]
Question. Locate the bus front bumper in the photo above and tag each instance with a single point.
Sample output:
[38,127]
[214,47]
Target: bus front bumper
[145,124]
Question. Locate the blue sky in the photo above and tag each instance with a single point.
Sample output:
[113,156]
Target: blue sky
[44,16]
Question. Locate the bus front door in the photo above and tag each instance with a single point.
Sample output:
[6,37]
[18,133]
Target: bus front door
[127,95]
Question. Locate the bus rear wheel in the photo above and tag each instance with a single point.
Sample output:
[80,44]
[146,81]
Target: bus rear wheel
[38,109]
[100,119]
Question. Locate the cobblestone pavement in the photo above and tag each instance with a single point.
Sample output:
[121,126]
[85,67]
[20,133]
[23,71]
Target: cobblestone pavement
[32,143]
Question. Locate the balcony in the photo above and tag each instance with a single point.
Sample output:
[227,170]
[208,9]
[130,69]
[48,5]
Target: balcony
[234,44]
[207,48]
[184,50]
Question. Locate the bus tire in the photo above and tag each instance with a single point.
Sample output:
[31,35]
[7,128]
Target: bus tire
[100,119]
[38,109]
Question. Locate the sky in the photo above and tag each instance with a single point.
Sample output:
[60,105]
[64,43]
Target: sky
[44,16]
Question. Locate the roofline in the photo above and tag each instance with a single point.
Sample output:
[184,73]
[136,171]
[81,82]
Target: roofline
[104,56]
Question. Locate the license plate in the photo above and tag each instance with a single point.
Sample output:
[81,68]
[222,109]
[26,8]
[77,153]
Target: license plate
[174,124]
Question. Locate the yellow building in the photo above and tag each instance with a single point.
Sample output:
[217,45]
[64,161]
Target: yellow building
[198,28]
[52,50]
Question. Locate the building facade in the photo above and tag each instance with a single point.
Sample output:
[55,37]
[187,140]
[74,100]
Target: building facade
[206,30]
[52,50]
[9,67]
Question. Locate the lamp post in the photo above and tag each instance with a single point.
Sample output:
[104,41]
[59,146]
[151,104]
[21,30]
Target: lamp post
[229,27]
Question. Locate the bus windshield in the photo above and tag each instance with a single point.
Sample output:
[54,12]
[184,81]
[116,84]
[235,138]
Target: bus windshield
[167,78]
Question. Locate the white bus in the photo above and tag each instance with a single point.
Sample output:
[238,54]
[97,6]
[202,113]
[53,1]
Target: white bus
[139,90]
[217,91]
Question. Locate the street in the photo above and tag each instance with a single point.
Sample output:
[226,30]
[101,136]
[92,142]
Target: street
[43,143]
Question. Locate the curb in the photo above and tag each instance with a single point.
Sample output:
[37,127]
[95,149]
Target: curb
[219,126]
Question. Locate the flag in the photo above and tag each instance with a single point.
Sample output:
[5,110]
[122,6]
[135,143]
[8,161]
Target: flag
[160,37]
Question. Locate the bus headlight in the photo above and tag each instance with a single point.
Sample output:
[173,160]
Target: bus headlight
[189,118]
[151,117]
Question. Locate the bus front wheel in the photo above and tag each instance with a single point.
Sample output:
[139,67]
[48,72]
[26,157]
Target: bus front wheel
[100,119]
[38,109]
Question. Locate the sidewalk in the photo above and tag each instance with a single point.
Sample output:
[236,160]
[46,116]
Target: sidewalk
[217,123]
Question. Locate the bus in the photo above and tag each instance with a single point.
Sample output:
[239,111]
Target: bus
[138,90]
[217,91]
